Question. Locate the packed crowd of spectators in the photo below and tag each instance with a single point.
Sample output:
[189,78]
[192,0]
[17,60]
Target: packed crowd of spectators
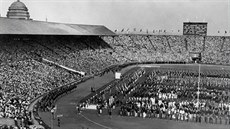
[7,127]
[24,76]
[77,52]
[214,49]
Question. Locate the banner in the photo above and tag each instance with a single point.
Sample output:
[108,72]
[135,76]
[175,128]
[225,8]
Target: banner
[117,75]
[92,107]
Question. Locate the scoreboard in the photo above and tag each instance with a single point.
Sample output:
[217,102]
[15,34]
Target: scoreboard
[195,28]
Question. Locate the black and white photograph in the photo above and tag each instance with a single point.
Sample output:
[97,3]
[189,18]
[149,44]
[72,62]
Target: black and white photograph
[114,64]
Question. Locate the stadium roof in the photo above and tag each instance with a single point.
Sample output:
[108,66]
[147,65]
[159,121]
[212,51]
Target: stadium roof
[31,27]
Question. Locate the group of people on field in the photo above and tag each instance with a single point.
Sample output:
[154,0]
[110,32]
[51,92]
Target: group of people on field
[168,94]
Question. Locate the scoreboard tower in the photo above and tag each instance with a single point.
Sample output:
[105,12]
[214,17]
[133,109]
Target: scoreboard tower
[195,28]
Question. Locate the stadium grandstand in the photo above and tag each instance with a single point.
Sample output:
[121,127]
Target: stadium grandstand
[174,79]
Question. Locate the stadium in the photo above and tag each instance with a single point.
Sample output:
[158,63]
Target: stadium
[77,76]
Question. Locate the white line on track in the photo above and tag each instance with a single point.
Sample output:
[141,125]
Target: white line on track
[150,66]
[95,122]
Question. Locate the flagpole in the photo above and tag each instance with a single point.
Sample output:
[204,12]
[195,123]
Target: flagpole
[198,90]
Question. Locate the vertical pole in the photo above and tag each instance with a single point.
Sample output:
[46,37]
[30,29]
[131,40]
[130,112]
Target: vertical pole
[198,89]
[51,121]
[228,98]
[94,82]
[92,87]
[51,118]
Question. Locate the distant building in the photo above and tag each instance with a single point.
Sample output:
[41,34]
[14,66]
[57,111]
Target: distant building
[18,10]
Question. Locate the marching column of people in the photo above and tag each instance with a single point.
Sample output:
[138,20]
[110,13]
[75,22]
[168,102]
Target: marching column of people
[167,93]
[173,95]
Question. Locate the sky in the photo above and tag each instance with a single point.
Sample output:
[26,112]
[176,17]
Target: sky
[129,14]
